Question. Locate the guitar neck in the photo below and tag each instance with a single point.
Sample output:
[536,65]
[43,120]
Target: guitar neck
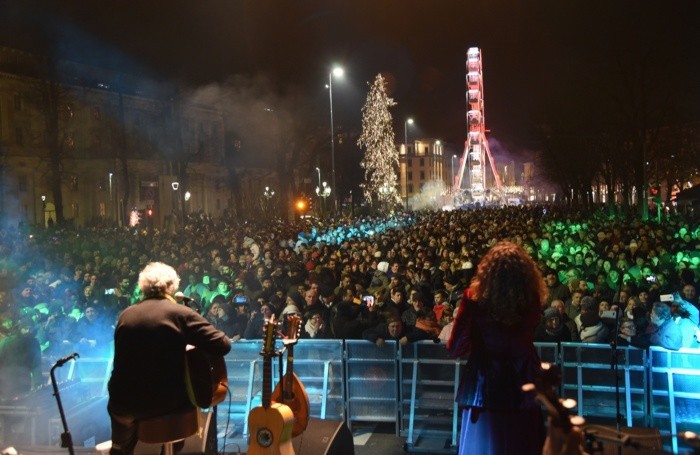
[288,376]
[267,381]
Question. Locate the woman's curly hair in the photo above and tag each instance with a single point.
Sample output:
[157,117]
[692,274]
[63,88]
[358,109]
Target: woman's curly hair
[508,284]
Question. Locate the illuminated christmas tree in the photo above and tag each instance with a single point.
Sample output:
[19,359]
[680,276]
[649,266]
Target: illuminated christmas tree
[381,155]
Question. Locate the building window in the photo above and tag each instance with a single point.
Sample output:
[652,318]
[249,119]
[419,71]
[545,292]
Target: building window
[18,102]
[410,187]
[427,149]
[22,183]
[410,176]
[19,136]
[422,175]
[410,163]
[422,162]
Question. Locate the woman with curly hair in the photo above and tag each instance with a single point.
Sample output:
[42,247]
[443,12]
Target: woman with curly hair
[495,326]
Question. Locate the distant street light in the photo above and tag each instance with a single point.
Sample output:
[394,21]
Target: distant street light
[384,192]
[337,72]
[409,121]
[323,191]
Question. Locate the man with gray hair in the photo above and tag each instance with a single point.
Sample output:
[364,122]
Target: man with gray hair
[148,378]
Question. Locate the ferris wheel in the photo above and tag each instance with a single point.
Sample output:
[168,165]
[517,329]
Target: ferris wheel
[476,147]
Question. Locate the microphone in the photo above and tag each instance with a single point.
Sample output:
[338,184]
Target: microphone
[65,359]
[187,301]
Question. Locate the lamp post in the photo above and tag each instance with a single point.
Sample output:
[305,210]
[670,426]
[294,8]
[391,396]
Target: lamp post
[384,192]
[323,192]
[268,193]
[337,72]
[409,121]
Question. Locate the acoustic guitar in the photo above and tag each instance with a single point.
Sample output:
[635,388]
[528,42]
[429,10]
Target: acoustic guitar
[290,390]
[548,378]
[270,425]
[206,377]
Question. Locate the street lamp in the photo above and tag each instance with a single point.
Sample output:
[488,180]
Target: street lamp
[384,192]
[409,121]
[323,191]
[337,72]
[268,193]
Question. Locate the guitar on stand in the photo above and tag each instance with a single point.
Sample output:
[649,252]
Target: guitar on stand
[290,390]
[270,424]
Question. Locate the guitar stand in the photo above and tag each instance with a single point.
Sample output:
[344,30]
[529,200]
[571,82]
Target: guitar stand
[280,367]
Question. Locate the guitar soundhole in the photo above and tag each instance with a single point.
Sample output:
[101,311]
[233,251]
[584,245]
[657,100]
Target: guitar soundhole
[264,437]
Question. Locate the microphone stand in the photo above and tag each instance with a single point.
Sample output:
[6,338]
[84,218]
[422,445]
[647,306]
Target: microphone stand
[614,360]
[66,438]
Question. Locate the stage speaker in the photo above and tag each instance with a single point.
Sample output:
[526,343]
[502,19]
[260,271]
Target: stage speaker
[324,437]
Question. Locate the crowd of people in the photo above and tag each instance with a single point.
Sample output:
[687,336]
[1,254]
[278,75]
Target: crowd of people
[399,277]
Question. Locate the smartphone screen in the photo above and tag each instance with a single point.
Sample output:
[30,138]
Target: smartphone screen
[368,300]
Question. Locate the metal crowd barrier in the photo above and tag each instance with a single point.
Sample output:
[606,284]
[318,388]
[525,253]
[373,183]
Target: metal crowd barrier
[414,386]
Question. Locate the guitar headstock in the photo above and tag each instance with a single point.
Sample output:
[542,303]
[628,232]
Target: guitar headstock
[293,329]
[544,386]
[270,331]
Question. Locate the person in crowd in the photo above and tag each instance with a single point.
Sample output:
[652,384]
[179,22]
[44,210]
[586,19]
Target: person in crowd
[148,377]
[316,326]
[426,322]
[254,329]
[627,335]
[350,319]
[556,290]
[20,360]
[446,322]
[410,314]
[551,329]
[440,303]
[93,334]
[394,329]
[495,327]
[565,319]
[662,331]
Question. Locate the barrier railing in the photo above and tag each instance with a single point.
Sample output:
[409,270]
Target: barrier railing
[414,385]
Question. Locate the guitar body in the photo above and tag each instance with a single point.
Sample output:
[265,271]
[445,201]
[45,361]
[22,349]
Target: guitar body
[270,430]
[206,377]
[297,399]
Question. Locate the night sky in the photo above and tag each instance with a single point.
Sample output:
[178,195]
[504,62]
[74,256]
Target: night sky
[535,52]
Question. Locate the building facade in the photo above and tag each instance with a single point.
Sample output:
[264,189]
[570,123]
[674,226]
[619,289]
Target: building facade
[116,145]
[420,162]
